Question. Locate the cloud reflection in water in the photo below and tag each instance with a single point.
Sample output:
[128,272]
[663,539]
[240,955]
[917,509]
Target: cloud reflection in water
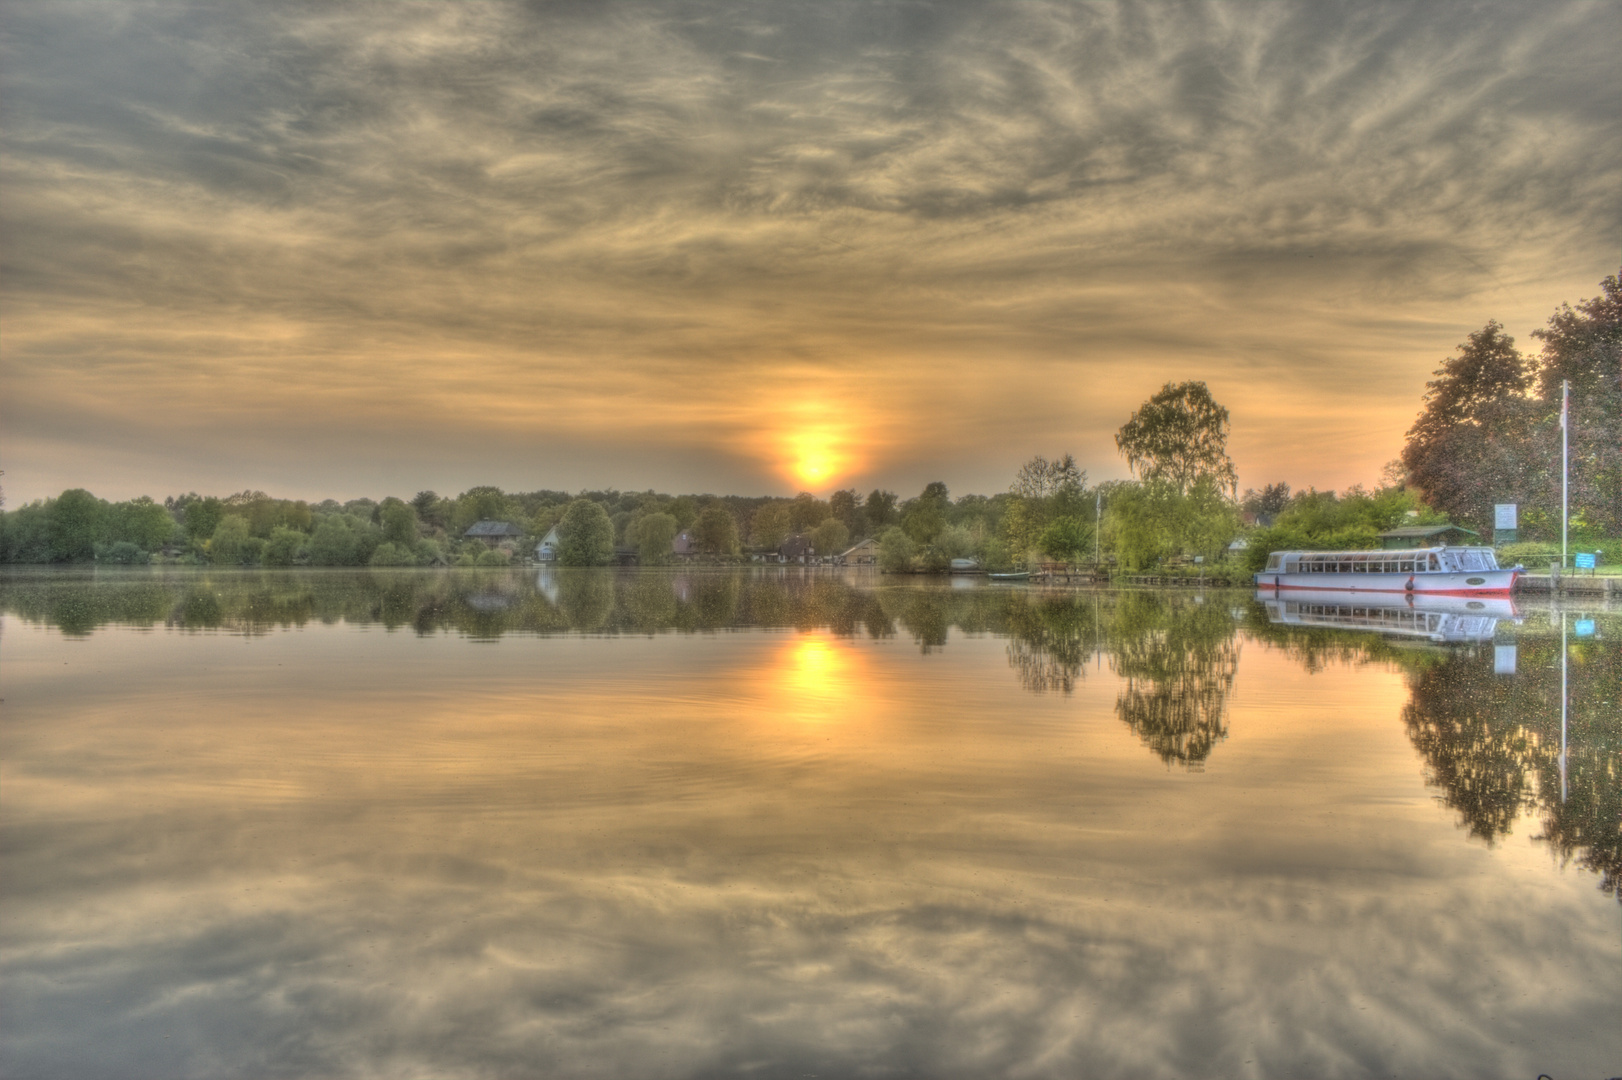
[338,852]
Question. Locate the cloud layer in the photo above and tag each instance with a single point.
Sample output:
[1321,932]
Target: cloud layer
[337,251]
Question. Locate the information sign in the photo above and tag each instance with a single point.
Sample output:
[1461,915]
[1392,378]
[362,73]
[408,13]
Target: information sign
[1585,560]
[1504,516]
[1584,627]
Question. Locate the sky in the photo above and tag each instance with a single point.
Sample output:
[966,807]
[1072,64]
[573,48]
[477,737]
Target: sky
[754,248]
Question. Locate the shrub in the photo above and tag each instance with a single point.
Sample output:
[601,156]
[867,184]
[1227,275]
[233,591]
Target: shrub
[895,551]
[284,546]
[124,553]
[389,553]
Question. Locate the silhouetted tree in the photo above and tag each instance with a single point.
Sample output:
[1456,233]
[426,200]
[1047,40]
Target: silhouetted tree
[1468,449]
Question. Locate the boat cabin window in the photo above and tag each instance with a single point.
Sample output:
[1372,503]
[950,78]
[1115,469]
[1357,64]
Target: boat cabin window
[1275,561]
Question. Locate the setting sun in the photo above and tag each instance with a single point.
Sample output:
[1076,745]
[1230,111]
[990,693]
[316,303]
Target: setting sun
[815,458]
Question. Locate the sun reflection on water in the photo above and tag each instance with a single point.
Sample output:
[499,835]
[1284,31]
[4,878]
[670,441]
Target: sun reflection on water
[814,679]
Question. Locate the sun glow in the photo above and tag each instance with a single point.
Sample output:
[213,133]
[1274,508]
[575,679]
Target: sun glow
[816,458]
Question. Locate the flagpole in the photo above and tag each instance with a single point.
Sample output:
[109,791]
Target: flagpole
[1565,463]
[1098,526]
[1564,698]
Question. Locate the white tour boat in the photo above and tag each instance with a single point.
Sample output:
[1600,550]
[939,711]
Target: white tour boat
[1436,571]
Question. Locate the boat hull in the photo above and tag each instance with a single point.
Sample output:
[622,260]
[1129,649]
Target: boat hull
[1435,618]
[1426,583]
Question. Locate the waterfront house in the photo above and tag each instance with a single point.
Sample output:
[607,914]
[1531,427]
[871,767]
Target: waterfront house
[547,550]
[865,553]
[493,532]
[796,548]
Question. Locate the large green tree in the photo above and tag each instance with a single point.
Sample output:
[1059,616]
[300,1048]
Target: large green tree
[1178,437]
[586,535]
[1583,345]
[846,505]
[653,536]
[76,523]
[830,537]
[716,531]
[1469,447]
[925,517]
[771,525]
[807,511]
[144,523]
[201,516]
[399,522]
[878,510]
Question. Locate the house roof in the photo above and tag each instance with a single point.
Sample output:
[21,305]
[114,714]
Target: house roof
[1419,532]
[493,528]
[869,542]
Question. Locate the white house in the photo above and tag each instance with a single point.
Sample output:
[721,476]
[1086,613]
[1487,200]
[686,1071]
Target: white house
[547,549]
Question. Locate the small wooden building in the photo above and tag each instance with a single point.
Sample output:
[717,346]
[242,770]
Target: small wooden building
[1422,536]
[865,553]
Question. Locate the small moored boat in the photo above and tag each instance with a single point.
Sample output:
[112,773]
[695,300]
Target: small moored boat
[1010,575]
[1436,571]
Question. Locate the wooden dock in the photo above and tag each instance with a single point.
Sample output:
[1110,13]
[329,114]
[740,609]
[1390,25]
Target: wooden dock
[1589,584]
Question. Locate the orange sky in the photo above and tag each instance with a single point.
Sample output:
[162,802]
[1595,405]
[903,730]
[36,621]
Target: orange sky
[757,247]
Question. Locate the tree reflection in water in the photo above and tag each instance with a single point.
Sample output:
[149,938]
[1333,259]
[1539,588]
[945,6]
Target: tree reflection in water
[1492,745]
[1179,659]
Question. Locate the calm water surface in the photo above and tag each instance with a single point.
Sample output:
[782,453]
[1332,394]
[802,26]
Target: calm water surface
[600,824]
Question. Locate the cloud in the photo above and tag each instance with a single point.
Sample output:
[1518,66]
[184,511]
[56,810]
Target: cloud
[897,196]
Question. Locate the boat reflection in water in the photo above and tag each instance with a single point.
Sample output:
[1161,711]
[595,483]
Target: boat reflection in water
[1441,619]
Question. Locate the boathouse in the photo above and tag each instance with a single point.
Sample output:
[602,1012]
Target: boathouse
[865,553]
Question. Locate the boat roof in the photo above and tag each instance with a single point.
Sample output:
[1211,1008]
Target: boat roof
[1387,553]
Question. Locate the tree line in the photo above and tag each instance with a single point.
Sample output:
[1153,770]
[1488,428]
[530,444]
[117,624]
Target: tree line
[1489,431]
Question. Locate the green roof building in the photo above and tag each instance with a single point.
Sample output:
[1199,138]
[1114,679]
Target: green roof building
[1423,536]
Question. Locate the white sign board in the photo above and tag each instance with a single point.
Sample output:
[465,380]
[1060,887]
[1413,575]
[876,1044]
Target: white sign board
[1504,517]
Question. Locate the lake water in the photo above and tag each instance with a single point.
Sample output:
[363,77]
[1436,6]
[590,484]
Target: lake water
[667,824]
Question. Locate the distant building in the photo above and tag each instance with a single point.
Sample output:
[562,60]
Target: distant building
[796,548]
[684,546]
[1418,536]
[865,553]
[493,532]
[547,550]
